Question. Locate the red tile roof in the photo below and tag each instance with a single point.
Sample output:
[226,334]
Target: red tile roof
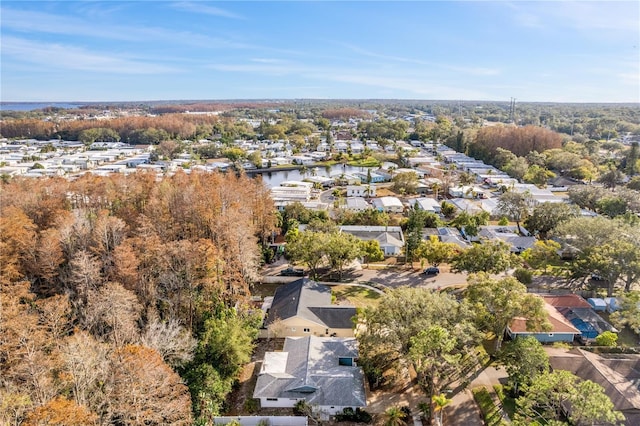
[567,301]
[558,322]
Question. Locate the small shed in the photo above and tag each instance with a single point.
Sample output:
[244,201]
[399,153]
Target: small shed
[597,304]
[612,304]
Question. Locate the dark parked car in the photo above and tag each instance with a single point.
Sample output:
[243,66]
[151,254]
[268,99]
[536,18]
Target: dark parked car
[292,272]
[596,277]
[432,270]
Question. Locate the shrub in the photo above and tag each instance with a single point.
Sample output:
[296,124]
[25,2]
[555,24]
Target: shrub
[251,405]
[357,416]
[607,338]
[525,276]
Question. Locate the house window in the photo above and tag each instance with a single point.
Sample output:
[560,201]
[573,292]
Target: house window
[306,330]
[345,361]
[272,399]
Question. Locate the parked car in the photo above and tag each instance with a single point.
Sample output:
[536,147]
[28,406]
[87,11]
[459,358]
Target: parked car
[292,272]
[432,270]
[596,277]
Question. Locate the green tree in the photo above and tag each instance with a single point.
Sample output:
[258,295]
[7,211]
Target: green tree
[611,178]
[341,249]
[538,175]
[550,394]
[435,356]
[255,158]
[610,248]
[396,332]
[309,248]
[607,338]
[225,345]
[439,402]
[371,251]
[611,206]
[234,154]
[516,168]
[405,183]
[629,313]
[493,257]
[591,405]
[515,205]
[435,251]
[98,134]
[543,253]
[546,216]
[524,359]
[497,303]
[394,417]
[447,209]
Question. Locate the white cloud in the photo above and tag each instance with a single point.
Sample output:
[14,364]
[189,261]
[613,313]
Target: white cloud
[60,56]
[586,16]
[39,22]
[205,9]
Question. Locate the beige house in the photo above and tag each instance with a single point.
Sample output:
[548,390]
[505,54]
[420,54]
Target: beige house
[303,308]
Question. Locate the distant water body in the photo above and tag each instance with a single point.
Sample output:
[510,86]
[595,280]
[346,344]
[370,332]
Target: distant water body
[30,106]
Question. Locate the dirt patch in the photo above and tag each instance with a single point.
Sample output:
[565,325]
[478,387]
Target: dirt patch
[240,401]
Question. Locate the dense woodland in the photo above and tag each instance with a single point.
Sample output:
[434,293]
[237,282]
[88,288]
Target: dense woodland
[124,299]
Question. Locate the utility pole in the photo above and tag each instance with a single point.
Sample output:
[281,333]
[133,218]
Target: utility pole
[512,110]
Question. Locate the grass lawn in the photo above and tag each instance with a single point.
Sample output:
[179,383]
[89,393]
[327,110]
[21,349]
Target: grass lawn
[490,412]
[360,297]
[508,403]
[626,337]
[365,162]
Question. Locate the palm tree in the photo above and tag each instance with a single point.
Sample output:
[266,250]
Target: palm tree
[439,402]
[394,417]
[435,187]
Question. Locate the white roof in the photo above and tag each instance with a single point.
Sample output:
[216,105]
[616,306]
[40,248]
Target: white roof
[388,202]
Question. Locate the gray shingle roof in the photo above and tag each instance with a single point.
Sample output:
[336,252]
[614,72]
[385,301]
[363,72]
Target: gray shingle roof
[312,372]
[309,300]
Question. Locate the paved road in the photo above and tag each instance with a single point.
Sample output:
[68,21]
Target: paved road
[392,277]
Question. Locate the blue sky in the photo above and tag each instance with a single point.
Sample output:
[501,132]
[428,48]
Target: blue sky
[158,50]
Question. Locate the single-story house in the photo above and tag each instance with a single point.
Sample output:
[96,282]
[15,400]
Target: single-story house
[319,370]
[370,177]
[302,308]
[446,235]
[508,234]
[561,329]
[391,238]
[361,191]
[388,204]
[427,204]
[357,204]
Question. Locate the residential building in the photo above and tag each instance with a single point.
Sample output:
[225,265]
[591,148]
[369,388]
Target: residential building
[390,238]
[361,191]
[561,329]
[321,371]
[302,308]
[388,204]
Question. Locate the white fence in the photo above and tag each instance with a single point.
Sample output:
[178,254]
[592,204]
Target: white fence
[264,420]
